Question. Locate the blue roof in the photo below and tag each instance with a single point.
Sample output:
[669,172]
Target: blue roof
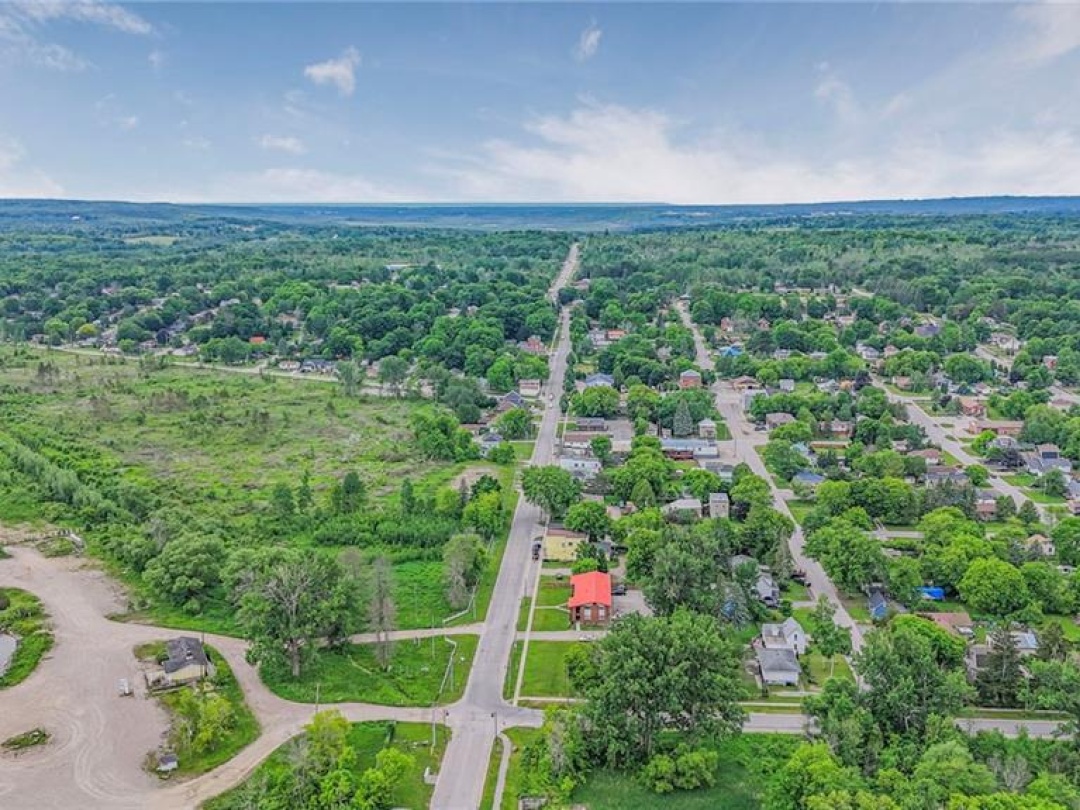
[934,593]
[731,351]
[809,477]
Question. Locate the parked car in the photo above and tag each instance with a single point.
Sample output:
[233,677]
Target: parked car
[619,589]
[536,551]
[799,576]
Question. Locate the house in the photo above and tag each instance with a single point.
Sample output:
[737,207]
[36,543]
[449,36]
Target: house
[839,428]
[584,468]
[927,330]
[530,387]
[598,379]
[808,478]
[687,449]
[727,325]
[186,662]
[986,505]
[1050,361]
[789,635]
[944,474]
[778,667]
[1041,545]
[690,379]
[765,588]
[744,382]
[507,402]
[590,602]
[969,406]
[782,354]
[707,429]
[787,385]
[726,469]
[731,351]
[561,544]
[877,604]
[488,442]
[683,505]
[868,353]
[615,334]
[590,424]
[1027,643]
[902,382]
[775,420]
[1045,458]
[577,440]
[719,505]
[1000,427]
[932,455]
[534,345]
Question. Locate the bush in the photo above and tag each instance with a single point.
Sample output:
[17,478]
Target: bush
[688,769]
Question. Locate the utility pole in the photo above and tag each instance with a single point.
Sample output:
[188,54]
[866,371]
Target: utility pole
[317,685]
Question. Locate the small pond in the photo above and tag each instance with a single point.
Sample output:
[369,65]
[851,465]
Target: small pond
[7,651]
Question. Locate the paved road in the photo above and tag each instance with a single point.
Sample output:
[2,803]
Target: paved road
[461,777]
[745,440]
[940,436]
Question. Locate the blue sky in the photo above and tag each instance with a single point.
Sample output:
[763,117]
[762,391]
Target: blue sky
[682,103]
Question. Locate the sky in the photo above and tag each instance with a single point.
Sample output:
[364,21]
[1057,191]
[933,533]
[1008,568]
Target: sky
[696,103]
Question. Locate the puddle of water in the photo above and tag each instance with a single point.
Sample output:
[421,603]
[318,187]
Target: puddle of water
[7,651]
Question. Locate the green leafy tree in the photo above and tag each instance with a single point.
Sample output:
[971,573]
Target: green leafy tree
[830,639]
[551,488]
[683,423]
[187,570]
[601,448]
[591,518]
[994,587]
[464,559]
[516,423]
[677,673]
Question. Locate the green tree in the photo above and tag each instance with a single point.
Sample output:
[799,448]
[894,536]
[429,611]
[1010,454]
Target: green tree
[187,570]
[1000,678]
[601,448]
[485,514]
[1028,513]
[994,587]
[393,371]
[591,518]
[515,423]
[382,611]
[551,488]
[642,495]
[677,673]
[830,640]
[349,376]
[683,424]
[464,559]
[978,475]
[292,601]
[813,770]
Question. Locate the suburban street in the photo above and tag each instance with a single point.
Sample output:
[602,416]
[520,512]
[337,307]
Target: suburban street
[745,440]
[461,778]
[939,436]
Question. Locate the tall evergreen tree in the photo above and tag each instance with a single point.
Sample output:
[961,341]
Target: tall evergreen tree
[1000,679]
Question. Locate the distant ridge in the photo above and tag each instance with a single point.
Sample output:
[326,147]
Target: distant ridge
[506,216]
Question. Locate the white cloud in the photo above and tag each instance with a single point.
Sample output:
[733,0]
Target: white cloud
[197,142]
[19,180]
[588,42]
[111,113]
[156,59]
[279,143]
[1051,30]
[601,153]
[835,92]
[340,72]
[19,22]
[108,15]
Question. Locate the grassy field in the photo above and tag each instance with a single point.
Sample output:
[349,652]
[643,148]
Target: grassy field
[519,738]
[25,618]
[553,592]
[799,509]
[488,799]
[367,739]
[510,680]
[1027,482]
[545,669]
[816,669]
[413,677]
[245,727]
[746,764]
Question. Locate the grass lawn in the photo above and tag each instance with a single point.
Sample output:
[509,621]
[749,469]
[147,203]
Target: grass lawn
[413,678]
[523,450]
[245,727]
[488,799]
[796,592]
[523,613]
[26,619]
[550,618]
[519,738]
[1068,627]
[545,669]
[799,509]
[746,764]
[816,669]
[510,681]
[367,739]
[553,592]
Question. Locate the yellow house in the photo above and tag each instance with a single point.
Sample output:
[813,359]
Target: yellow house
[561,545]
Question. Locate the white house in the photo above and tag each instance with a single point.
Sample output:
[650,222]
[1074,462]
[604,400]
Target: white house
[788,635]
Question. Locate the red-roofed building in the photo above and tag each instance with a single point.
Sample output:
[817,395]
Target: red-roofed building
[590,603]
